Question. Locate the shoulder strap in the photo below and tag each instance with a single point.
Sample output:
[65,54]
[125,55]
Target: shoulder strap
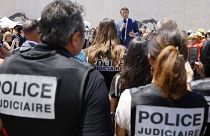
[116,91]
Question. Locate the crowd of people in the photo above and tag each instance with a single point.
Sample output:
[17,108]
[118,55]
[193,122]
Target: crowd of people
[57,78]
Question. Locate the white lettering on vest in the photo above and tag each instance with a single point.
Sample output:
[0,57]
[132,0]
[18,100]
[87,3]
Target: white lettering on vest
[28,95]
[165,121]
[106,66]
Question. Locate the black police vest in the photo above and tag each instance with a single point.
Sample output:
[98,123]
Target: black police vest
[71,76]
[153,114]
[203,87]
[107,70]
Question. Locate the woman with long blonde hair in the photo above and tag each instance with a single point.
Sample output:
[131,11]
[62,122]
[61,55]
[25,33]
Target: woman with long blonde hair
[105,53]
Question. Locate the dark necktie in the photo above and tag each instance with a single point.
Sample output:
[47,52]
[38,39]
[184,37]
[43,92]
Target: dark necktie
[123,30]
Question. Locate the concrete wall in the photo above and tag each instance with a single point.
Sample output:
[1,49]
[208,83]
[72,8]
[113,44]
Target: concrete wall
[189,14]
[32,8]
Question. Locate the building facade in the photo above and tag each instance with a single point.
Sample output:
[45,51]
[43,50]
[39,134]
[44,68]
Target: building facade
[189,14]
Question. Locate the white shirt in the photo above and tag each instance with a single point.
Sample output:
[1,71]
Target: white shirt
[126,27]
[123,111]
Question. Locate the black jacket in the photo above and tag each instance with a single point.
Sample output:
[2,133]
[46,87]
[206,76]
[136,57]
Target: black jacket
[80,92]
[153,114]
[202,87]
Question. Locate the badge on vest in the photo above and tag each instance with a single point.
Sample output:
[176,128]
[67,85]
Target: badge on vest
[106,66]
[164,121]
[28,95]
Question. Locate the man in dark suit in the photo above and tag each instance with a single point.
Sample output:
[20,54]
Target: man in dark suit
[127,28]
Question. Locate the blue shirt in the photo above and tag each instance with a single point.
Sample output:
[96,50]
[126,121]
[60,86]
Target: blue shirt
[81,56]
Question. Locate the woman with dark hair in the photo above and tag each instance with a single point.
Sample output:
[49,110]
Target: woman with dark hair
[166,106]
[19,35]
[92,36]
[105,53]
[136,71]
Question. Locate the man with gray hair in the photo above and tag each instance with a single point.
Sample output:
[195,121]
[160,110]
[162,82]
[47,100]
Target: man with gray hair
[45,91]
[166,23]
[30,30]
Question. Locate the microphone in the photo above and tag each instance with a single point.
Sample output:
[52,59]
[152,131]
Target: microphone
[124,20]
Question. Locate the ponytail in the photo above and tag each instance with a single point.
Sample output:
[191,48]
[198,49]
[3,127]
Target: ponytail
[170,74]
